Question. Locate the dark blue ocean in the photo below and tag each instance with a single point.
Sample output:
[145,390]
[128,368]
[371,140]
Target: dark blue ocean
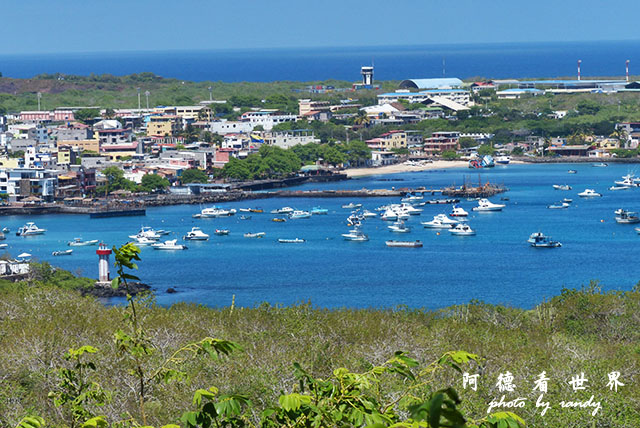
[496,265]
[507,60]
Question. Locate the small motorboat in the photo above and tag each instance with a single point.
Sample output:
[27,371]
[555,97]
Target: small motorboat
[283,210]
[352,206]
[171,244]
[600,165]
[404,244]
[462,230]
[562,187]
[412,198]
[215,212]
[221,232]
[255,235]
[559,206]
[441,221]
[146,232]
[399,227]
[30,229]
[62,253]
[539,240]
[298,214]
[458,212]
[389,215]
[279,220]
[195,234]
[78,242]
[567,200]
[485,205]
[319,211]
[589,193]
[626,217]
[291,241]
[572,171]
[368,214]
[143,241]
[245,217]
[256,210]
[4,245]
[614,188]
[5,230]
[503,160]
[355,235]
[163,232]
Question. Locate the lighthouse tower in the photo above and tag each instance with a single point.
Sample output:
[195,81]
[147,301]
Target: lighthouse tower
[103,253]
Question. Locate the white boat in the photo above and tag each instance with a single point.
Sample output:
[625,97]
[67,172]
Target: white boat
[4,245]
[368,214]
[589,193]
[255,235]
[62,253]
[355,235]
[214,212]
[221,232]
[572,171]
[410,209]
[146,232]
[389,215]
[441,221]
[462,230]
[171,244]
[291,241]
[412,198]
[600,165]
[299,214]
[399,227]
[458,212]
[352,206]
[5,230]
[626,217]
[30,229]
[163,232]
[245,217]
[485,205]
[283,210]
[143,241]
[539,240]
[404,244]
[319,211]
[195,234]
[562,187]
[503,160]
[616,188]
[567,200]
[561,205]
[627,181]
[78,242]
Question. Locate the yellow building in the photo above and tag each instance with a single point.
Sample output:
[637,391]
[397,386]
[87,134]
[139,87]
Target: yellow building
[81,145]
[6,162]
[160,126]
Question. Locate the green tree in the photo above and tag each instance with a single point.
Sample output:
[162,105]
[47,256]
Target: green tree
[109,113]
[236,169]
[486,149]
[151,182]
[467,142]
[84,114]
[449,155]
[194,175]
[116,181]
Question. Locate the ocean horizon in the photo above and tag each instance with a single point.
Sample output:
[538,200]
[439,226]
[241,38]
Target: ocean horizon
[488,60]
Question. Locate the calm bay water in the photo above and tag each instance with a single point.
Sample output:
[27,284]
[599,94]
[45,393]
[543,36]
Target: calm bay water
[496,265]
[504,60]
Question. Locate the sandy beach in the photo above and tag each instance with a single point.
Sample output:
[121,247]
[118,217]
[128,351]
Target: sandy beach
[398,168]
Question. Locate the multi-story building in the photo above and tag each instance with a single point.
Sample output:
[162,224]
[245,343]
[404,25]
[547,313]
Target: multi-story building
[20,183]
[71,132]
[223,127]
[190,113]
[442,141]
[167,125]
[390,140]
[46,116]
[267,118]
[82,145]
[632,132]
[458,96]
[287,139]
[306,106]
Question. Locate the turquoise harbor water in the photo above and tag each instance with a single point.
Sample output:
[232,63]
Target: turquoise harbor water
[496,265]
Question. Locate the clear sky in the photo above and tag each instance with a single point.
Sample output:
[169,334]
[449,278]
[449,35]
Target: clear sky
[33,26]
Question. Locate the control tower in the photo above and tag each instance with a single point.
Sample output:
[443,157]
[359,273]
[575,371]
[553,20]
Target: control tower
[367,75]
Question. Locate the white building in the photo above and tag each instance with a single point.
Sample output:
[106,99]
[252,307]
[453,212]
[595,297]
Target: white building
[287,139]
[458,96]
[19,183]
[267,118]
[223,127]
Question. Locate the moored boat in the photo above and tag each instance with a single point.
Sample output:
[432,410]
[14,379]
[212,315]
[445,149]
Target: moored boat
[559,206]
[562,187]
[62,253]
[462,230]
[298,214]
[255,235]
[196,234]
[221,232]
[600,165]
[539,240]
[399,227]
[485,205]
[352,206]
[626,217]
[355,235]
[404,244]
[146,232]
[283,210]
[572,171]
[291,241]
[589,193]
[214,212]
[458,212]
[78,242]
[319,211]
[30,229]
[171,244]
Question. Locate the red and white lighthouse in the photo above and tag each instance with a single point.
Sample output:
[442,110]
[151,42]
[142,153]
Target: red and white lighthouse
[103,253]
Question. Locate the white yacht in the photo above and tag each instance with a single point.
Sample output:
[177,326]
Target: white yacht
[78,242]
[30,229]
[399,227]
[627,181]
[283,210]
[486,205]
[404,244]
[589,193]
[142,241]
[562,187]
[352,206]
[441,221]
[368,214]
[171,244]
[214,212]
[146,232]
[389,215]
[458,212]
[559,206]
[410,209]
[255,235]
[412,198]
[291,241]
[299,214]
[355,235]
[196,234]
[462,230]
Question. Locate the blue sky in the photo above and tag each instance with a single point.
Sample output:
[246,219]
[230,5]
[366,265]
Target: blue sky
[34,26]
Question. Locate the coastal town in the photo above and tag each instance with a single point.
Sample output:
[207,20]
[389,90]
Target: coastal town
[73,154]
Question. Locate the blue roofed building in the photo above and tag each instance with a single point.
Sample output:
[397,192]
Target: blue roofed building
[438,83]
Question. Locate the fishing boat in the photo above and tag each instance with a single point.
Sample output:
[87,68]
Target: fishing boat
[62,253]
[221,232]
[146,232]
[559,206]
[30,229]
[291,241]
[589,193]
[255,235]
[562,187]
[279,220]
[409,209]
[78,242]
[626,217]
[485,205]
[539,240]
[283,210]
[355,235]
[404,244]
[600,165]
[171,244]
[319,211]
[462,230]
[298,214]
[352,206]
[458,212]
[256,210]
[572,171]
[399,227]
[195,234]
